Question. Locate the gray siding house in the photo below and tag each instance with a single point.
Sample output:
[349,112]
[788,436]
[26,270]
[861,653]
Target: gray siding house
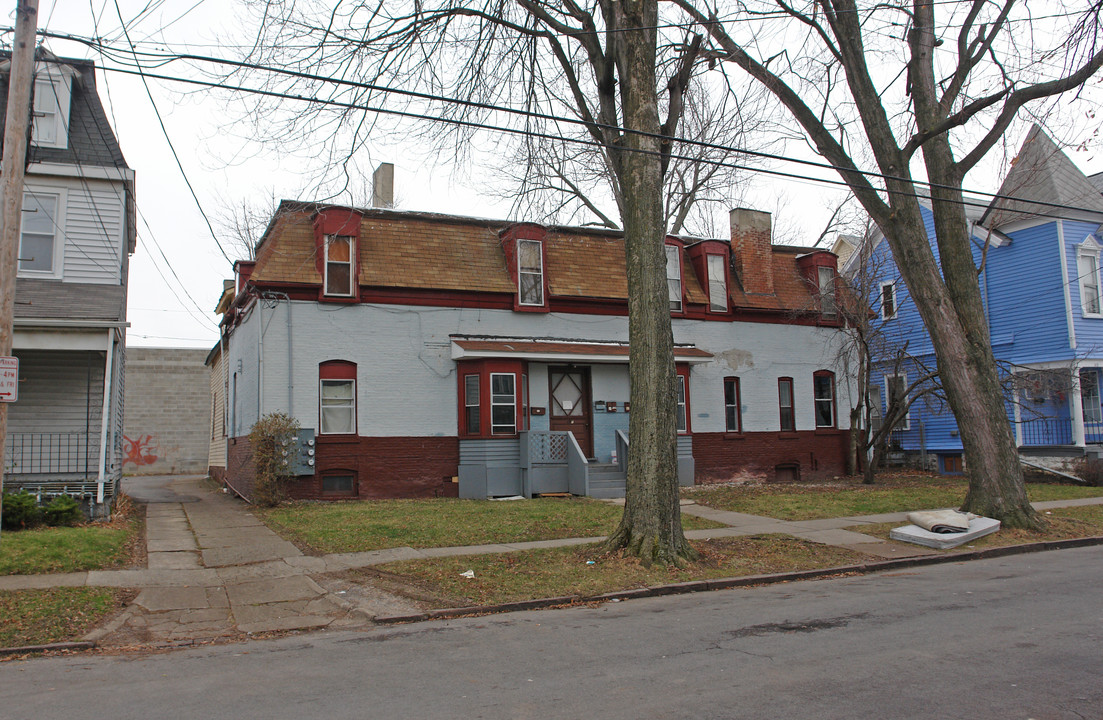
[65,431]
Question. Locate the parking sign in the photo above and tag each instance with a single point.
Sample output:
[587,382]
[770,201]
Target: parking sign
[9,379]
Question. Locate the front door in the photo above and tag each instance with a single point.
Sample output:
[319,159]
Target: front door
[570,405]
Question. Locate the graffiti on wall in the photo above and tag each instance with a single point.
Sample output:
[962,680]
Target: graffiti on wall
[140,451]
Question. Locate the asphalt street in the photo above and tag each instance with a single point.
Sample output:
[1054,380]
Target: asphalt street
[1014,637]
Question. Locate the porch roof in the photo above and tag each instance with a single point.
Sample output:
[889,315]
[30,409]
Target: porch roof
[556,350]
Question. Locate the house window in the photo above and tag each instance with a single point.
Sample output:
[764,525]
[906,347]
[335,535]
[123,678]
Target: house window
[530,272]
[896,393]
[826,280]
[1087,266]
[681,400]
[341,482]
[785,404]
[503,403]
[337,397]
[471,404]
[48,125]
[674,277]
[38,241]
[823,390]
[732,417]
[1089,397]
[338,266]
[888,301]
[718,283]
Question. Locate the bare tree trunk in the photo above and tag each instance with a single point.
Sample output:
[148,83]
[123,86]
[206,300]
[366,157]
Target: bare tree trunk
[651,526]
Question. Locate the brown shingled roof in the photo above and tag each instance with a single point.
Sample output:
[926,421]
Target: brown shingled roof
[446,253]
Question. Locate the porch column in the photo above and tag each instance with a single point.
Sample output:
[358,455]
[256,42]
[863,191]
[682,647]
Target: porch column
[1076,408]
[105,421]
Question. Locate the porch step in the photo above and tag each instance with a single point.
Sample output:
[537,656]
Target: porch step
[606,480]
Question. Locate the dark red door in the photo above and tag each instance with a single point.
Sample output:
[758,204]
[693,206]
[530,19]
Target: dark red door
[571,408]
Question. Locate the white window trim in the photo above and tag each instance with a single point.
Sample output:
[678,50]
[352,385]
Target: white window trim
[521,271]
[816,400]
[512,404]
[322,430]
[1089,249]
[677,252]
[60,82]
[891,285]
[682,418]
[353,280]
[905,423]
[717,304]
[60,237]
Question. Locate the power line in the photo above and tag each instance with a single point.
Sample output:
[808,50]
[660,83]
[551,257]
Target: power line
[166,58]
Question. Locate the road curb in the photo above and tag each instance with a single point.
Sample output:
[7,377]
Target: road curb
[744,581]
[28,649]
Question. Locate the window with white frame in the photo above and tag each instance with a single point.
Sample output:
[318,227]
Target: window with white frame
[50,110]
[896,388]
[471,399]
[825,277]
[888,300]
[338,266]
[1089,397]
[1087,271]
[823,392]
[718,283]
[503,403]
[530,272]
[39,242]
[674,277]
[732,414]
[785,404]
[681,400]
[337,397]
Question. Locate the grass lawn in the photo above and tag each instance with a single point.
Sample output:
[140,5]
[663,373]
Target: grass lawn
[338,527]
[1062,524]
[531,574]
[94,546]
[850,497]
[38,617]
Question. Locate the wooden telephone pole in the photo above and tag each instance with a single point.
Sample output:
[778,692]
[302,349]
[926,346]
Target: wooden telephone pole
[11,176]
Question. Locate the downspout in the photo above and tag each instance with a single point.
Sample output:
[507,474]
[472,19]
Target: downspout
[260,357]
[105,414]
[290,369]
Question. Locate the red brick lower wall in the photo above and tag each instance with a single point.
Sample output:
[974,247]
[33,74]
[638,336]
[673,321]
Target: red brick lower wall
[387,467]
[720,457]
[239,466]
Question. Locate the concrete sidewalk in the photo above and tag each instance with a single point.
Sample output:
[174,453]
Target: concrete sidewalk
[214,570]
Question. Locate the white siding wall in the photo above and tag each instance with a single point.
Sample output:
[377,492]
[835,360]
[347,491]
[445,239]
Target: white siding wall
[406,382]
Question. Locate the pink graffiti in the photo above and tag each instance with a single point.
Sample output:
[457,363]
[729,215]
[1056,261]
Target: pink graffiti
[140,451]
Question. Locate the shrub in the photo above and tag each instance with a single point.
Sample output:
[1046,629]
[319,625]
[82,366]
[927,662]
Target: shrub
[1089,469]
[273,441]
[21,511]
[63,510]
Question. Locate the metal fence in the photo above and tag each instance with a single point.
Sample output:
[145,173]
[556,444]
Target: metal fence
[1046,431]
[39,453]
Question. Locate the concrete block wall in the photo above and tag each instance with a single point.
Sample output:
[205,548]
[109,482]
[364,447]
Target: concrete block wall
[168,409]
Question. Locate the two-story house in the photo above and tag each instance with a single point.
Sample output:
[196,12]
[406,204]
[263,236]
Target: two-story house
[65,431]
[428,354]
[1038,258]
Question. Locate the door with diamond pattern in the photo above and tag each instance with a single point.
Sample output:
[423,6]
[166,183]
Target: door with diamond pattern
[571,408]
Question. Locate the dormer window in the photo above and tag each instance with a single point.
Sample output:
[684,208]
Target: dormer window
[718,283]
[826,286]
[338,265]
[530,272]
[1087,271]
[674,277]
[50,117]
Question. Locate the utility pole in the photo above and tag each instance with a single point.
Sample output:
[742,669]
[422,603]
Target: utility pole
[11,177]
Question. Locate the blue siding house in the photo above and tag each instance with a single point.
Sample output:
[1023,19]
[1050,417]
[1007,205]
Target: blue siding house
[1039,266]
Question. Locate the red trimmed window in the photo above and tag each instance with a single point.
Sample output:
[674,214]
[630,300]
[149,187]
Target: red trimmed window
[733,416]
[826,282]
[823,392]
[338,266]
[337,398]
[530,272]
[492,398]
[785,404]
[717,268]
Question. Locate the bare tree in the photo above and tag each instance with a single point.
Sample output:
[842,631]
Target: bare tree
[945,93]
[601,65]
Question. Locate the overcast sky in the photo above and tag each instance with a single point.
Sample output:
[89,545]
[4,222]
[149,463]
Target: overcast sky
[176,272]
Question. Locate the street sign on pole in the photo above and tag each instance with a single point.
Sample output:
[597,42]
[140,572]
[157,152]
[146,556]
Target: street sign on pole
[9,379]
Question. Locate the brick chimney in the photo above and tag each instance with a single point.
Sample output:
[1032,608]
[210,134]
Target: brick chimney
[751,250]
[382,181]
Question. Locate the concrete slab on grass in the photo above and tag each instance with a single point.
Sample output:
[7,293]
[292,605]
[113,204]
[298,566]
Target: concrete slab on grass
[978,527]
